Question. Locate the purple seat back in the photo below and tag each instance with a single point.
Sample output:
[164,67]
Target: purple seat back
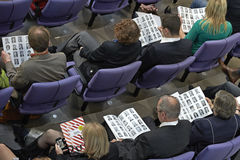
[161,74]
[108,83]
[236,50]
[12,15]
[215,151]
[207,55]
[184,156]
[5,95]
[236,146]
[47,96]
[59,12]
[147,1]
[231,43]
[108,6]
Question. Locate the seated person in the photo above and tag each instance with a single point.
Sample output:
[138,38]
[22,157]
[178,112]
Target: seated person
[166,140]
[111,54]
[97,146]
[38,5]
[4,82]
[170,50]
[233,14]
[212,27]
[223,126]
[41,67]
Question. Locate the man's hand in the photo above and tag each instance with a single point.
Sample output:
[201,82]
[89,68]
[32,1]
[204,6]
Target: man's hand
[5,57]
[148,8]
[58,149]
[209,102]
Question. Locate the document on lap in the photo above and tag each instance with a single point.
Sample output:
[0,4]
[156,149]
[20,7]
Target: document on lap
[148,25]
[190,16]
[193,104]
[18,48]
[128,125]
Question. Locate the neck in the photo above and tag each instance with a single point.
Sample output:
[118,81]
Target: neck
[170,119]
[172,36]
[39,53]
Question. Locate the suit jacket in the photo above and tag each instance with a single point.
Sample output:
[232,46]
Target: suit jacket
[165,53]
[162,142]
[40,68]
[211,130]
[108,55]
[233,14]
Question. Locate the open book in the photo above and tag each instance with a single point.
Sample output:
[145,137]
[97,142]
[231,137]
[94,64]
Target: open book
[193,104]
[72,131]
[190,16]
[18,48]
[149,28]
[128,125]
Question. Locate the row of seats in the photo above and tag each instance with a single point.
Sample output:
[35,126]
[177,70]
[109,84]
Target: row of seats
[221,151]
[109,83]
[56,12]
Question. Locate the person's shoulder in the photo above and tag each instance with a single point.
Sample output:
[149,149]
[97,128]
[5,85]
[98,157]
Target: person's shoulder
[59,55]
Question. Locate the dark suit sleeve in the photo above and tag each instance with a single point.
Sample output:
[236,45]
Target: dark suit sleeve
[201,131]
[97,55]
[141,149]
[148,59]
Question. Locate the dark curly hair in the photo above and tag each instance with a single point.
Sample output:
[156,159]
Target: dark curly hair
[127,31]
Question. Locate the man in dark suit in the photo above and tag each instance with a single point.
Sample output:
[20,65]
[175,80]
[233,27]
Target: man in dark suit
[171,49]
[223,126]
[166,140]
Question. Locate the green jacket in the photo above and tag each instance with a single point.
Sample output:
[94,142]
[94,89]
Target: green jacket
[4,82]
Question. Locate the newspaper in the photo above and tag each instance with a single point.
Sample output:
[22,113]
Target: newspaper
[149,29]
[18,48]
[193,104]
[128,125]
[190,16]
[72,131]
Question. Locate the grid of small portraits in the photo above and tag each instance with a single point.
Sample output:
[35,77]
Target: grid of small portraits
[190,16]
[18,48]
[193,105]
[127,125]
[149,29]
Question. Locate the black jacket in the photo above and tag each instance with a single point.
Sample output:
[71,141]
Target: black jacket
[233,14]
[109,55]
[165,53]
[162,142]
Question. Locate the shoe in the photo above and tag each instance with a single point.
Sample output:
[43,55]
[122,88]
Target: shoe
[232,74]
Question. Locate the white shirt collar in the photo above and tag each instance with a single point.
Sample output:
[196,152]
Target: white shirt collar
[173,123]
[165,40]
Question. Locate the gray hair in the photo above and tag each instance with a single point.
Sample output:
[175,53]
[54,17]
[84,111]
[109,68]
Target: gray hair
[170,105]
[224,104]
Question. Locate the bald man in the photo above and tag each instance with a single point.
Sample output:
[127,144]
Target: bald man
[167,140]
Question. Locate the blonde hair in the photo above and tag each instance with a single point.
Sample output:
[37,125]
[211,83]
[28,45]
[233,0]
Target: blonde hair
[96,140]
[215,16]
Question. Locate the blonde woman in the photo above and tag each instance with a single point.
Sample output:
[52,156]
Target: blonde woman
[97,146]
[212,27]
